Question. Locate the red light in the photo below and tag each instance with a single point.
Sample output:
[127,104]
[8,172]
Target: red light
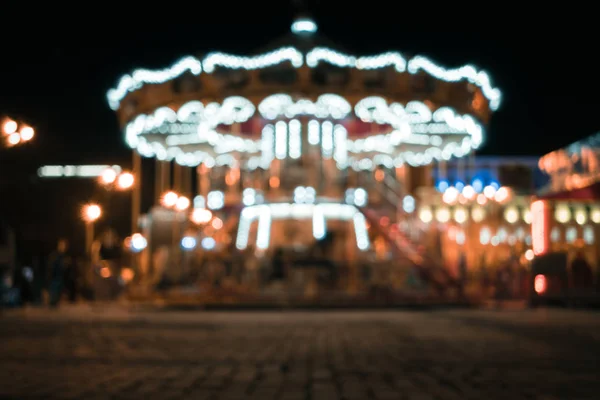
[539,284]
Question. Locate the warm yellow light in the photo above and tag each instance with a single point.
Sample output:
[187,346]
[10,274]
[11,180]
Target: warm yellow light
[169,199]
[442,215]
[425,215]
[502,195]
[201,216]
[27,133]
[511,215]
[460,215]
[489,192]
[91,212]
[125,180]
[108,176]
[182,203]
[580,216]
[450,195]
[9,126]
[478,214]
[529,255]
[469,192]
[562,214]
[14,138]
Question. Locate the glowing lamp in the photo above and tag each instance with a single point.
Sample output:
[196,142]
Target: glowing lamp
[91,212]
[9,126]
[182,203]
[169,199]
[27,133]
[125,181]
[539,284]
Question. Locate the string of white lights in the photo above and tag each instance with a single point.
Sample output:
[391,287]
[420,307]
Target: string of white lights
[140,77]
[418,135]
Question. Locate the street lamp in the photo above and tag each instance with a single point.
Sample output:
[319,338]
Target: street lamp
[90,214]
[14,133]
[112,179]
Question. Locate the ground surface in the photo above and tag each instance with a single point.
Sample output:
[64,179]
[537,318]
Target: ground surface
[83,353]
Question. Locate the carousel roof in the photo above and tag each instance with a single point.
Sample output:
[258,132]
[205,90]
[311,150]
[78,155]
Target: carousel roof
[304,46]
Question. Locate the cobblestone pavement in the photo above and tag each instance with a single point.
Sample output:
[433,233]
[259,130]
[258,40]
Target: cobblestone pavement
[101,353]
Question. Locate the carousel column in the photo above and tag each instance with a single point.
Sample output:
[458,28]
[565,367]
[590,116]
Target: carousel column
[313,153]
[177,177]
[326,155]
[136,195]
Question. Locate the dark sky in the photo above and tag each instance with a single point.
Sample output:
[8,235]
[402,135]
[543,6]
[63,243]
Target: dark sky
[57,78]
[57,63]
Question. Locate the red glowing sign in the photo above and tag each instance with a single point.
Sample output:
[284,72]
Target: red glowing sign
[539,284]
[539,227]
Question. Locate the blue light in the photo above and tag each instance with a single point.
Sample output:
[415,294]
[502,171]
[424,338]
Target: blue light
[477,185]
[495,185]
[188,243]
[459,186]
[442,186]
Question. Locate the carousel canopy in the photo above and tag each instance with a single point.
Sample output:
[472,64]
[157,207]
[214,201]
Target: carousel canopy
[363,132]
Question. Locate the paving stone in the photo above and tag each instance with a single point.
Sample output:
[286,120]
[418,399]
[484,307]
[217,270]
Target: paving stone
[298,355]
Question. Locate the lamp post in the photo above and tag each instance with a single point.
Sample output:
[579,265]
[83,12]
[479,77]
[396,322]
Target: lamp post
[90,214]
[14,133]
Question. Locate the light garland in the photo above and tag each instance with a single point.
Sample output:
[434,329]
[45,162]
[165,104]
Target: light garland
[418,135]
[319,213]
[138,78]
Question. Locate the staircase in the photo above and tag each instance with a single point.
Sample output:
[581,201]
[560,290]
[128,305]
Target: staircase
[389,197]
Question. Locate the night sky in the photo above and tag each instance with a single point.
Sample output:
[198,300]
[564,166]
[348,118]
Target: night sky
[57,76]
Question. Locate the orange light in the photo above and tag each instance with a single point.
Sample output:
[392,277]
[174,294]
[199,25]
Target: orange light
[9,126]
[379,175]
[274,182]
[539,284]
[539,228]
[108,176]
[169,199]
[91,212]
[125,181]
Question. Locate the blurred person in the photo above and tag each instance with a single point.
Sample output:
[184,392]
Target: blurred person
[503,283]
[59,262]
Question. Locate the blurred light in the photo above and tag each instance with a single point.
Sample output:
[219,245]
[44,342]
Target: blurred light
[208,243]
[169,199]
[450,195]
[201,216]
[14,138]
[481,199]
[304,25]
[469,192]
[425,215]
[217,223]
[9,126]
[408,204]
[125,180]
[91,212]
[182,203]
[105,272]
[478,214]
[442,186]
[127,275]
[562,214]
[539,284]
[460,215]
[502,194]
[511,215]
[529,255]
[459,185]
[108,176]
[477,185]
[188,243]
[27,133]
[489,191]
[138,242]
[442,215]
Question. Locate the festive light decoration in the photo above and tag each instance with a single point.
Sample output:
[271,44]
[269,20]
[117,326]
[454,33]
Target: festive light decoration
[75,171]
[418,135]
[138,78]
[265,213]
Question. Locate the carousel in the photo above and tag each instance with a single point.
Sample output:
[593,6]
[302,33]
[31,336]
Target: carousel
[285,146]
